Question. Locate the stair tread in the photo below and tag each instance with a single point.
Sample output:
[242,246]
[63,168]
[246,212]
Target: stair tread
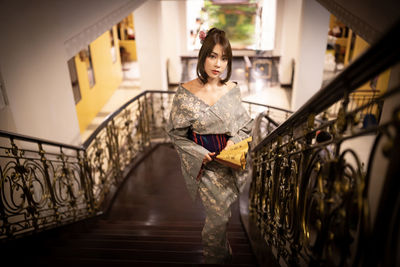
[106,236]
[62,261]
[173,222]
[143,245]
[160,225]
[151,232]
[133,254]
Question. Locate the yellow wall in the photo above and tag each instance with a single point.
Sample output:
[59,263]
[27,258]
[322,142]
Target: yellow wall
[127,22]
[130,46]
[108,76]
[360,45]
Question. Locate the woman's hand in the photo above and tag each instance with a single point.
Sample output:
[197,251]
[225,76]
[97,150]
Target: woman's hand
[229,143]
[208,157]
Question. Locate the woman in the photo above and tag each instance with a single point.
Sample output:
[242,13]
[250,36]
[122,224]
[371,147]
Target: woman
[207,116]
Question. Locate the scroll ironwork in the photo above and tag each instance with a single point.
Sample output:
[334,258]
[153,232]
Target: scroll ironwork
[312,196]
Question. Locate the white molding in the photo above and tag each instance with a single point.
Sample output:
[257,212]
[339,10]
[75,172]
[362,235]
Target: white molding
[81,40]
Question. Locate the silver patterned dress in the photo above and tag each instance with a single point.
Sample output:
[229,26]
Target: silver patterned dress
[218,185]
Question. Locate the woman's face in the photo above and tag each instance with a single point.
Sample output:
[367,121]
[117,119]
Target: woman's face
[215,64]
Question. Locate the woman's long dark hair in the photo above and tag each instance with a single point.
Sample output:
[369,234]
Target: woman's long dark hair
[214,36]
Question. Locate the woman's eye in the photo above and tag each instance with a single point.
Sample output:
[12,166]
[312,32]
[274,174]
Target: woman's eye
[224,59]
[212,56]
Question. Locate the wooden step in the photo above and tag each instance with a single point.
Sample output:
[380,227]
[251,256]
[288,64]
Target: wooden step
[108,236]
[196,225]
[139,255]
[151,232]
[61,262]
[142,245]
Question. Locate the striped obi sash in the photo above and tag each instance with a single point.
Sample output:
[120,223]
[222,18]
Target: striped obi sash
[211,142]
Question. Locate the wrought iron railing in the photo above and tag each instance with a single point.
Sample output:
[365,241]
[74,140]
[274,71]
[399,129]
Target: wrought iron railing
[372,110]
[266,118]
[46,184]
[326,192]
[125,134]
[43,184]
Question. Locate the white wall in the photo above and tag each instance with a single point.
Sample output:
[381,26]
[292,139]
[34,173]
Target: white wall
[34,59]
[289,12]
[160,35]
[314,26]
[149,46]
[267,38]
[173,15]
[35,74]
[278,27]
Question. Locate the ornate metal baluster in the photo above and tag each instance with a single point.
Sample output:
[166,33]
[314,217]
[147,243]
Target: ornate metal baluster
[5,226]
[67,177]
[164,120]
[98,175]
[114,152]
[50,187]
[143,118]
[86,180]
[21,175]
[152,110]
[139,116]
[129,131]
[147,120]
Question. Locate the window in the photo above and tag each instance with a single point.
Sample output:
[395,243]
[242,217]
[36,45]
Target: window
[85,56]
[249,24]
[113,50]
[236,18]
[74,80]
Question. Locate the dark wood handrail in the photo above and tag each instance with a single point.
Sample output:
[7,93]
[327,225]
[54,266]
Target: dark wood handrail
[379,57]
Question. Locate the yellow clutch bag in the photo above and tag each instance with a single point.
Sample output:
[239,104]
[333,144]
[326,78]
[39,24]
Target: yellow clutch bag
[235,155]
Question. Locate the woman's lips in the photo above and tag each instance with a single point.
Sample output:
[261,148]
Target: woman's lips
[215,72]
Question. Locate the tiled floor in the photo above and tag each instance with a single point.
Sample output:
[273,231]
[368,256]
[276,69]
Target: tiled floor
[130,87]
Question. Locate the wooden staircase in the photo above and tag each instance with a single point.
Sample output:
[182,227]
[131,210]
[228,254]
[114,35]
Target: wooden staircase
[152,222]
